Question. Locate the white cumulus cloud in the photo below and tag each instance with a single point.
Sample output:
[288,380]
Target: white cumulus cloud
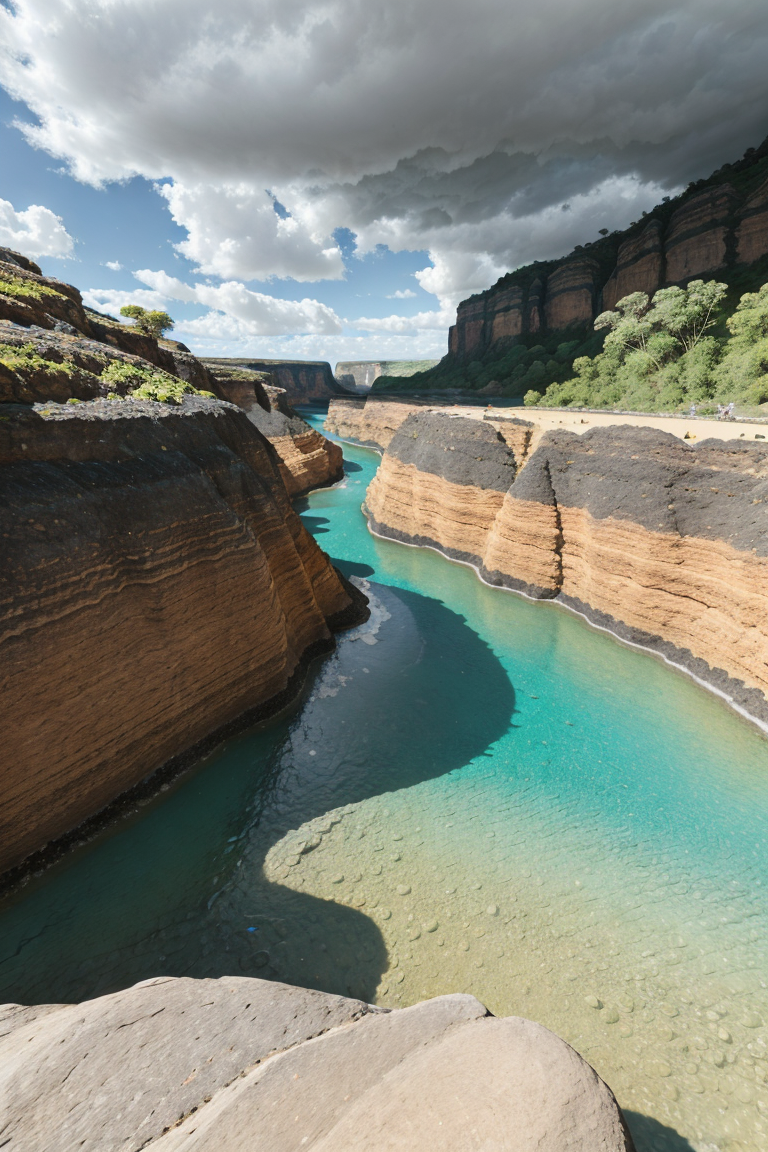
[458,129]
[35,232]
[235,309]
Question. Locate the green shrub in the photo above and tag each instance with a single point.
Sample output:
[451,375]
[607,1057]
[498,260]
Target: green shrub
[21,288]
[140,383]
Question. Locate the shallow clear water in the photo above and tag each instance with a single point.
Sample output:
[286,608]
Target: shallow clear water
[477,793]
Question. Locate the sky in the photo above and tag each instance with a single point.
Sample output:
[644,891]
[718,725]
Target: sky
[327,179]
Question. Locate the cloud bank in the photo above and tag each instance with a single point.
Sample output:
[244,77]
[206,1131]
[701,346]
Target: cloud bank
[35,232]
[458,129]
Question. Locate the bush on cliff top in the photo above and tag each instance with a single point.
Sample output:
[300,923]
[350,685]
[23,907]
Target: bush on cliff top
[23,289]
[139,383]
[664,354]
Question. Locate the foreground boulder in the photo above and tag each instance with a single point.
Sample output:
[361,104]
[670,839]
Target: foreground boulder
[245,1065]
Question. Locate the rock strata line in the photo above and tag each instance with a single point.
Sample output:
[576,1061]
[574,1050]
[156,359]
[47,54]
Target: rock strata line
[663,544]
[159,587]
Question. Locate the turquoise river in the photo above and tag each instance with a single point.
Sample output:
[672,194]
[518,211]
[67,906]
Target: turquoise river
[475,793]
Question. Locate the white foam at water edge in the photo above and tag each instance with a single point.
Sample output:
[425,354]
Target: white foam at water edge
[367,632]
[761,724]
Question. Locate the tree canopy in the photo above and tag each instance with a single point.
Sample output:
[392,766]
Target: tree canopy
[152,323]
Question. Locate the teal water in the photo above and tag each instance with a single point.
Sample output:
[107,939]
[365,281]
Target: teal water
[476,793]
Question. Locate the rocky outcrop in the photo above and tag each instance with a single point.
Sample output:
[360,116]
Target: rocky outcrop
[664,544]
[372,422]
[715,228]
[696,238]
[305,381]
[51,314]
[307,459]
[157,590]
[752,230]
[237,1064]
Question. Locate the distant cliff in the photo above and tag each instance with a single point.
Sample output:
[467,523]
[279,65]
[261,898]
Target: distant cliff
[716,226]
[305,381]
[526,330]
[359,375]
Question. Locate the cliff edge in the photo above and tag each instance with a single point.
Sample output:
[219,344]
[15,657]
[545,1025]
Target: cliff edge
[663,544]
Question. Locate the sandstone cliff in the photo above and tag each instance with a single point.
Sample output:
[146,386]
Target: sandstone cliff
[157,589]
[372,422]
[664,544]
[307,459]
[237,1064]
[52,348]
[707,232]
[305,381]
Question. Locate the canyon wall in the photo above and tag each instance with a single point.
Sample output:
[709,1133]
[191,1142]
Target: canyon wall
[157,590]
[305,381]
[372,422]
[52,314]
[664,544]
[52,348]
[307,459]
[710,232]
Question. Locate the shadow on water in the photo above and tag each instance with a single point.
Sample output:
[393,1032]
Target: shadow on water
[315,524]
[650,1135]
[353,568]
[350,466]
[179,889]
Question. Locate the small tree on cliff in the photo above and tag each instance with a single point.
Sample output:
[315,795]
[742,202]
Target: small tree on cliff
[150,323]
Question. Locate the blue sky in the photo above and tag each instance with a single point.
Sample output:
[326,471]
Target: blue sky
[128,223]
[420,151]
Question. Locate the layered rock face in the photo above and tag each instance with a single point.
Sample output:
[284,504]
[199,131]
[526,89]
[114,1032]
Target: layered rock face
[157,589]
[307,459]
[715,229]
[305,381]
[236,1064]
[664,544]
[372,422]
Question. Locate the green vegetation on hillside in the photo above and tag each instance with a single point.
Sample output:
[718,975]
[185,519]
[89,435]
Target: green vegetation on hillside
[139,383]
[23,289]
[531,362]
[668,353]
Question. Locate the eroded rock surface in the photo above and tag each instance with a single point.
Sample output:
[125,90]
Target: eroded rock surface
[239,1065]
[372,421]
[307,459]
[156,578]
[664,544]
